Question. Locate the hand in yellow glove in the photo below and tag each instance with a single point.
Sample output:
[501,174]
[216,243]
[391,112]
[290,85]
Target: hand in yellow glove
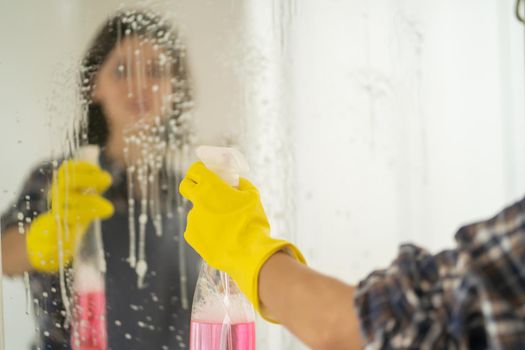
[229,229]
[75,202]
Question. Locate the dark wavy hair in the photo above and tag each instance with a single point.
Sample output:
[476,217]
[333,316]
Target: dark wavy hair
[147,25]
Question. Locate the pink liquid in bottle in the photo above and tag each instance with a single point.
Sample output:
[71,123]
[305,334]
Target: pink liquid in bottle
[89,321]
[216,336]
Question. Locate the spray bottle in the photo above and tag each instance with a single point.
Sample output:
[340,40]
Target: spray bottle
[221,318]
[89,330]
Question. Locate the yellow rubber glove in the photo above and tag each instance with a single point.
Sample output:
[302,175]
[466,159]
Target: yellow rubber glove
[75,202]
[229,229]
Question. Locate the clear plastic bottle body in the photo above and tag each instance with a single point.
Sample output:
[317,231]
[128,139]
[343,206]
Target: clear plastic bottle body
[88,323]
[222,318]
[89,328]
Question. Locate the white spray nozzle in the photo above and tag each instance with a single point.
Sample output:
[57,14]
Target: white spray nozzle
[229,163]
[89,154]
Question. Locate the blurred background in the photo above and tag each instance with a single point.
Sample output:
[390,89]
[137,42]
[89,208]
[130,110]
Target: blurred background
[366,123]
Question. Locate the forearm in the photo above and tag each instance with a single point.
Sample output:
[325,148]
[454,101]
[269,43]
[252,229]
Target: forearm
[14,254]
[318,309]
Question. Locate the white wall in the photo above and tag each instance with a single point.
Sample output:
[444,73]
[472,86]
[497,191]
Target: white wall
[404,112]
[390,122]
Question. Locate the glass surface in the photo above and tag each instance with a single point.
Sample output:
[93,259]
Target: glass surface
[365,123]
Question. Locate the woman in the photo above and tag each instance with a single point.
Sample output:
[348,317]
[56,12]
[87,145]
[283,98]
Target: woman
[136,95]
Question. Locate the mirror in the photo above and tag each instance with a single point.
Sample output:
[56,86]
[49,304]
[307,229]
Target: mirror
[366,125]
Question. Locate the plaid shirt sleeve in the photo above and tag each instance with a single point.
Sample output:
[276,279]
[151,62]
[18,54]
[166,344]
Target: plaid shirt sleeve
[472,297]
